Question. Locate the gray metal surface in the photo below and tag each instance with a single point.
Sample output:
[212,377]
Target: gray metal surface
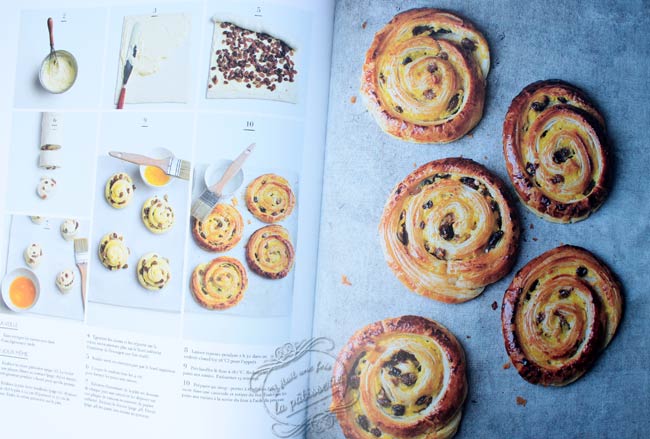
[601,48]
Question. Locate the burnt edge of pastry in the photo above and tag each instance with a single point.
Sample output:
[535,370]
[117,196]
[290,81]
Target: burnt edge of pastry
[532,198]
[450,346]
[529,369]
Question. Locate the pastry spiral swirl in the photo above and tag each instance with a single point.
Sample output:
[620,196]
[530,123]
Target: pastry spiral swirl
[119,190]
[400,378]
[153,271]
[558,313]
[556,151]
[113,252]
[269,252]
[221,231]
[270,198]
[219,284]
[424,76]
[448,230]
[157,214]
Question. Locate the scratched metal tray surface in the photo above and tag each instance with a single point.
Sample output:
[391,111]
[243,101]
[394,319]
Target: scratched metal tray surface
[597,47]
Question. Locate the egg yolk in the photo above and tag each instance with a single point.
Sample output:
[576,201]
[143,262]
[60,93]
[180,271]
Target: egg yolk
[155,176]
[22,292]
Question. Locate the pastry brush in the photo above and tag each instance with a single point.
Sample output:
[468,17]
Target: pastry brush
[81,258]
[170,165]
[202,207]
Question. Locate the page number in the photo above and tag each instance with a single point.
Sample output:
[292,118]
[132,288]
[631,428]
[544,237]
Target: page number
[258,11]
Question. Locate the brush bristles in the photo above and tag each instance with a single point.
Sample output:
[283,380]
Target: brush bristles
[179,168]
[202,207]
[186,170]
[81,250]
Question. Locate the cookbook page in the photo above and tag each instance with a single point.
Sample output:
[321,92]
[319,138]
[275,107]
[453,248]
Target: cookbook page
[161,186]
[405,231]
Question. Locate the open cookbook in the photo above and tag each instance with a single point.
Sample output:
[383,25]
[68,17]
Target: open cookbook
[323,219]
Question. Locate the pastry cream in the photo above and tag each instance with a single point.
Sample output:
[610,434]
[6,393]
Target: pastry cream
[22,292]
[58,73]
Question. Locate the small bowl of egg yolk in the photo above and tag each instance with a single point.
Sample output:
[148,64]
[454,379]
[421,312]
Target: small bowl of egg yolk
[153,176]
[20,289]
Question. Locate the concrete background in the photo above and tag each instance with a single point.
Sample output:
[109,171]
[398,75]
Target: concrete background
[599,47]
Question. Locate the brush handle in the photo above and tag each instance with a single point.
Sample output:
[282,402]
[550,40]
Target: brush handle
[50,29]
[141,159]
[233,169]
[120,101]
[82,269]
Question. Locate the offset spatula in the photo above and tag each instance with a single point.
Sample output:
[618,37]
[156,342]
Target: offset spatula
[202,207]
[131,53]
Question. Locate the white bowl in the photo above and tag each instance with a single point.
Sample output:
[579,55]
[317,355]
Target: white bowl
[215,171]
[9,278]
[156,153]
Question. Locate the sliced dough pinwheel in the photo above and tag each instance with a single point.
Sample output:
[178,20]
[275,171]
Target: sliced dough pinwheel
[221,231]
[560,311]
[219,284]
[448,230]
[270,198]
[157,214]
[269,252]
[119,190]
[113,252]
[400,378]
[153,271]
[424,76]
[556,151]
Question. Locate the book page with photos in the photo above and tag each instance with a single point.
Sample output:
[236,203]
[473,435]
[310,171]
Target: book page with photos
[161,186]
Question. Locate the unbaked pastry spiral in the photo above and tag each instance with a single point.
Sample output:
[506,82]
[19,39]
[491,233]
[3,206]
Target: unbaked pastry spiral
[157,214]
[556,151]
[269,252]
[153,271]
[119,190]
[219,284]
[558,313]
[448,230]
[221,231]
[65,281]
[400,378]
[270,198]
[113,252]
[424,76]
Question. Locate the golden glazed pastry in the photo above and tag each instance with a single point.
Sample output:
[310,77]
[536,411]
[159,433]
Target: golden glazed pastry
[119,190]
[221,231]
[424,76]
[400,378]
[153,271]
[157,214]
[558,313]
[556,151]
[113,252]
[270,198]
[219,284]
[448,230]
[269,252]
